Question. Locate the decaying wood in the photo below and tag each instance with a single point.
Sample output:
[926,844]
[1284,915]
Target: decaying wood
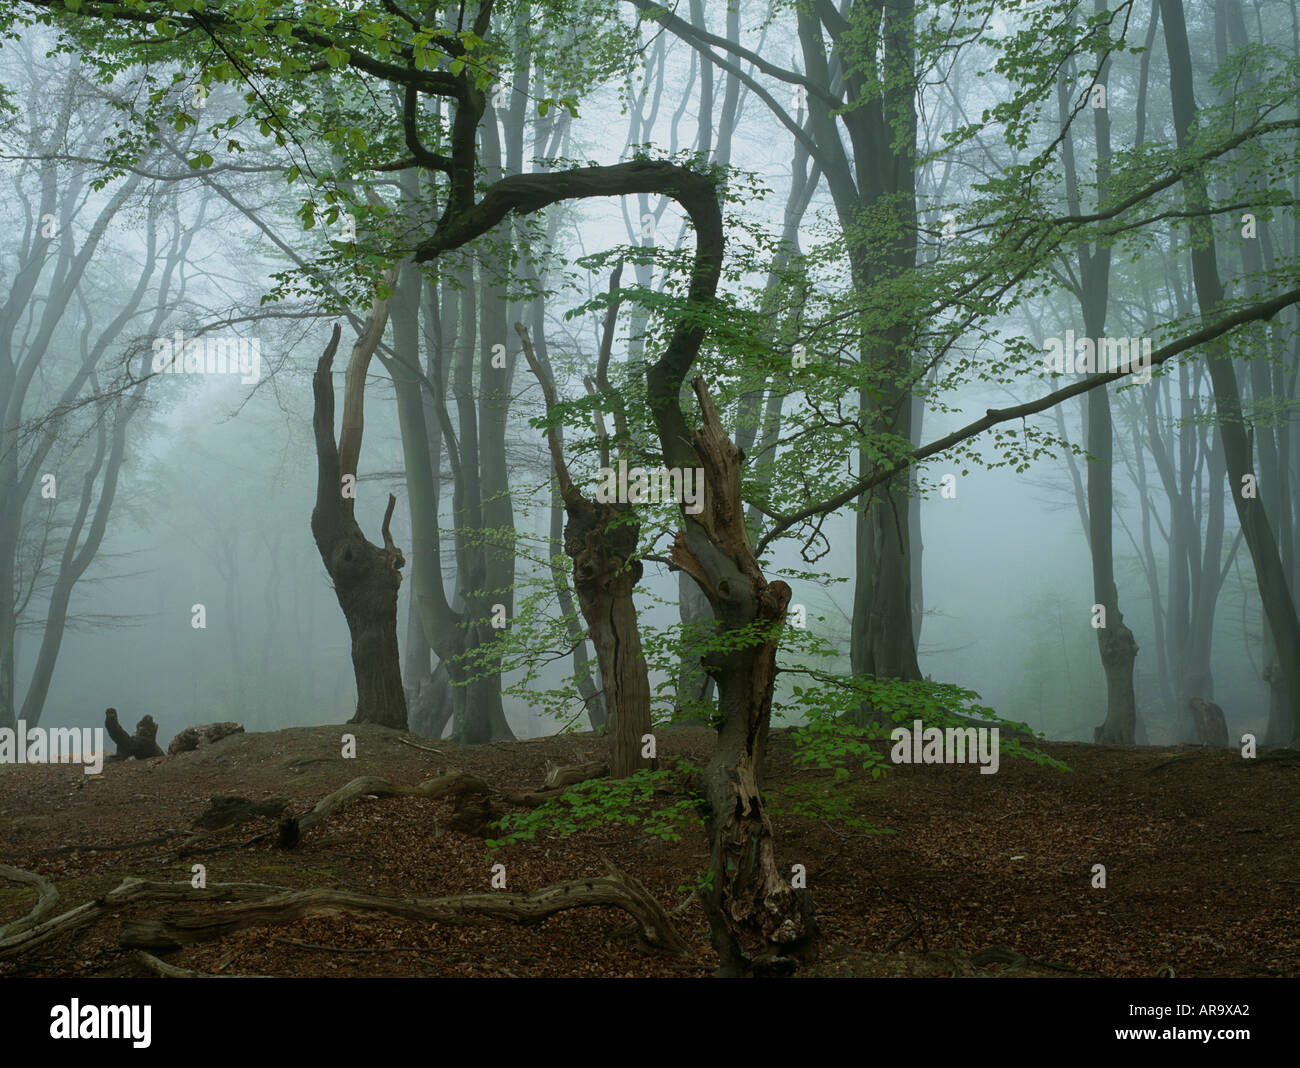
[47,897]
[197,737]
[759,922]
[559,776]
[260,904]
[128,892]
[143,745]
[1211,727]
[373,786]
[558,779]
[615,890]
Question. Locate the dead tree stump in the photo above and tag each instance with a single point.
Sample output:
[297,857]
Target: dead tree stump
[1211,727]
[142,745]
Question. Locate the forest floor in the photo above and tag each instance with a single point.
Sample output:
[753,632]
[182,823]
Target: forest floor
[1201,851]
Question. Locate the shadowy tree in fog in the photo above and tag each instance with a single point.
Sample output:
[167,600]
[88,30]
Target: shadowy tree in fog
[71,377]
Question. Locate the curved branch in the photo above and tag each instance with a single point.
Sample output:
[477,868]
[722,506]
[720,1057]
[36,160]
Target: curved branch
[568,492]
[46,898]
[695,192]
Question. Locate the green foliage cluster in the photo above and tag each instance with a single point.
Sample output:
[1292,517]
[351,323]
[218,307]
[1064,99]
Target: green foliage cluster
[601,802]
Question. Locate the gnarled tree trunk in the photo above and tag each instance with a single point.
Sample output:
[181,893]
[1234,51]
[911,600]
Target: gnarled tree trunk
[757,919]
[366,576]
[601,540]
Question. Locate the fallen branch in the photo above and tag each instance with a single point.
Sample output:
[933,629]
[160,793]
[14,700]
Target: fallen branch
[558,776]
[371,785]
[12,944]
[425,748]
[558,779]
[616,890]
[47,897]
[97,847]
[170,971]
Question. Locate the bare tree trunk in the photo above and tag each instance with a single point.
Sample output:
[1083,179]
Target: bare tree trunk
[366,577]
[1279,607]
[601,540]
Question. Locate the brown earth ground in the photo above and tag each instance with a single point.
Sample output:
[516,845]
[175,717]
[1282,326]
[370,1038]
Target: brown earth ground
[1200,849]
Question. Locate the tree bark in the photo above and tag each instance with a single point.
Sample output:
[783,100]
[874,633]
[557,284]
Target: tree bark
[366,577]
[601,540]
[758,920]
[1279,607]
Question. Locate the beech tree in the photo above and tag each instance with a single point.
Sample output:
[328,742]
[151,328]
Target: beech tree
[758,921]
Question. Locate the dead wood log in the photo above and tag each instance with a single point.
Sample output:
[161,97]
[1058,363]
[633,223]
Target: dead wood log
[558,779]
[143,745]
[192,738]
[260,904]
[615,890]
[473,813]
[127,892]
[558,776]
[372,785]
[47,897]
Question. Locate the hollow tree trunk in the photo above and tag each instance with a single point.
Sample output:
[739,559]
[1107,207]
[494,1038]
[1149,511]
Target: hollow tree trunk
[694,685]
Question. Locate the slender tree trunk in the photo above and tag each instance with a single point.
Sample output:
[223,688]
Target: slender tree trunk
[1279,608]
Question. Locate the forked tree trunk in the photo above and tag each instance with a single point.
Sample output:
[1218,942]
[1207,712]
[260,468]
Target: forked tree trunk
[366,577]
[758,920]
[601,540]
